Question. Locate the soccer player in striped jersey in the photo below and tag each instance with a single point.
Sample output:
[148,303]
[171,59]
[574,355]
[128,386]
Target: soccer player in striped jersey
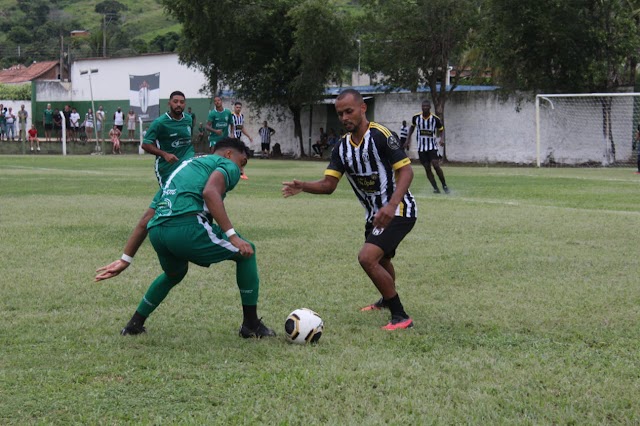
[380,173]
[429,131]
[238,127]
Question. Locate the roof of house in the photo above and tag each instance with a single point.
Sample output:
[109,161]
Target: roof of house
[22,74]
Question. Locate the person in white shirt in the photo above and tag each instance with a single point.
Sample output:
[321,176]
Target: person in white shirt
[100,114]
[74,119]
[118,119]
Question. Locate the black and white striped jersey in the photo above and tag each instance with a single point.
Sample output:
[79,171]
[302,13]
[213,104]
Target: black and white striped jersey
[238,123]
[425,129]
[370,166]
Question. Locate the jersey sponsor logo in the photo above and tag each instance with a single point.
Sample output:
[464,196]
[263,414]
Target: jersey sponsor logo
[169,192]
[369,184]
[426,133]
[393,142]
[163,208]
[179,143]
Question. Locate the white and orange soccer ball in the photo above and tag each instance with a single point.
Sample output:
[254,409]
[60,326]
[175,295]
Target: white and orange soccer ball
[303,326]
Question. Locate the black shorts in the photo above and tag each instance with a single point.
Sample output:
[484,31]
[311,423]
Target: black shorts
[48,126]
[120,127]
[265,146]
[427,157]
[389,239]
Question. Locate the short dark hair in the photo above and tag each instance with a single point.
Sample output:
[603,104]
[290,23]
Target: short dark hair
[232,143]
[177,93]
[426,102]
[238,103]
[353,92]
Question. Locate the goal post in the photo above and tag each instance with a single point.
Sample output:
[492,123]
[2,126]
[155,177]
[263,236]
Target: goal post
[587,128]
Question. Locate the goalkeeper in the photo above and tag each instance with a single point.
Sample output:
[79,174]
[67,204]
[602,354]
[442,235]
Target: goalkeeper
[182,231]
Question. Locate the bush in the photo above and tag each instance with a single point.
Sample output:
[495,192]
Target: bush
[12,92]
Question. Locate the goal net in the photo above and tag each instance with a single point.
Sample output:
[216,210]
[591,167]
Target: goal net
[587,129]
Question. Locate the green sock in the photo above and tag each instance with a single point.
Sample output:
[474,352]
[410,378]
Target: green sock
[158,291]
[247,279]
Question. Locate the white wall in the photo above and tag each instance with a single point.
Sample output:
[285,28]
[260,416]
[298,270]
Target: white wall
[16,107]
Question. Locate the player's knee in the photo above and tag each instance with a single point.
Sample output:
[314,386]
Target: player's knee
[176,276]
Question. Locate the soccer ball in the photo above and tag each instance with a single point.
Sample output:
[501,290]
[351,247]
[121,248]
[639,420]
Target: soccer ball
[303,326]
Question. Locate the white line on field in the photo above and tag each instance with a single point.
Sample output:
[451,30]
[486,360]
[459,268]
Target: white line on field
[45,169]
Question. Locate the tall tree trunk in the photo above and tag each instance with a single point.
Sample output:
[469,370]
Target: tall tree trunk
[297,126]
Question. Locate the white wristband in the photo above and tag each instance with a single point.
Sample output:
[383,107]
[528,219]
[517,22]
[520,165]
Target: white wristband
[127,258]
[231,232]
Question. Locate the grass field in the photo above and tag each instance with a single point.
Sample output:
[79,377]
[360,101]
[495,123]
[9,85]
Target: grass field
[523,285]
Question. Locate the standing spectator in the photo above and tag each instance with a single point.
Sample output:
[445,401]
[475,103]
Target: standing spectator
[404,132]
[320,144]
[131,124]
[74,119]
[100,114]
[89,121]
[47,122]
[23,115]
[218,122]
[57,125]
[10,119]
[201,134]
[193,118]
[380,174]
[118,119]
[3,122]
[114,135]
[430,129]
[33,137]
[265,139]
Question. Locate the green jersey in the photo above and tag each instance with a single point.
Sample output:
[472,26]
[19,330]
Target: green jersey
[48,116]
[182,193]
[172,136]
[220,120]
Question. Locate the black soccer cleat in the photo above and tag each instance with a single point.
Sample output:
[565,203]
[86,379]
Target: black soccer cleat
[436,191]
[446,189]
[256,333]
[132,329]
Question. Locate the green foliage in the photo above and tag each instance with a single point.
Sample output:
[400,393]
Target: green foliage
[12,92]
[572,46]
[412,43]
[112,7]
[522,285]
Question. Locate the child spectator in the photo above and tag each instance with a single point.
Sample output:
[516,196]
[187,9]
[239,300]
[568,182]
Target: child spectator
[33,137]
[114,134]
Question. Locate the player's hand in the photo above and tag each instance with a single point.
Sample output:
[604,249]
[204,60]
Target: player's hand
[244,247]
[170,158]
[217,132]
[111,270]
[384,216]
[291,188]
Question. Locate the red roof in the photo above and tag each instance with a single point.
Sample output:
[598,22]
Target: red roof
[20,74]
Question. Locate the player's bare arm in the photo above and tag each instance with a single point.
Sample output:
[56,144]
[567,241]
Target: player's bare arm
[212,194]
[134,242]
[325,185]
[404,176]
[152,149]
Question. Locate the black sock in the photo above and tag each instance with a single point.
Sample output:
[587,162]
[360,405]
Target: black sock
[137,319]
[250,316]
[395,306]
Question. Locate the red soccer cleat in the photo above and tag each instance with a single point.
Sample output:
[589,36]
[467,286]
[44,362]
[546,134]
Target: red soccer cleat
[398,323]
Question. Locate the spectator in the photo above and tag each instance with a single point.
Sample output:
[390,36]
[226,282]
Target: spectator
[3,122]
[74,119]
[118,119]
[67,119]
[10,119]
[193,117]
[23,115]
[114,135]
[320,144]
[202,133]
[57,124]
[404,132]
[131,124]
[332,138]
[33,137]
[100,114]
[89,121]
[47,122]
[265,139]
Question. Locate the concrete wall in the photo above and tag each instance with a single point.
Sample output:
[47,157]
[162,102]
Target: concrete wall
[16,107]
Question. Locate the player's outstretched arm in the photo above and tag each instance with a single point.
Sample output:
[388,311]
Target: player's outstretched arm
[134,242]
[325,185]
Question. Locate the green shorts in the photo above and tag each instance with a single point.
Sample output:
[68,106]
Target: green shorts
[190,238]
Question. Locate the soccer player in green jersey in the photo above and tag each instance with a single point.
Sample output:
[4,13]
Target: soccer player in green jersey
[169,137]
[218,122]
[191,225]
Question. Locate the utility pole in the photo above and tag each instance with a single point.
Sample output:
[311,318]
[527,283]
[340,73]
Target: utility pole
[104,35]
[61,57]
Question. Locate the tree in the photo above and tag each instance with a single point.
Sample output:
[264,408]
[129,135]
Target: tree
[412,43]
[275,53]
[577,46]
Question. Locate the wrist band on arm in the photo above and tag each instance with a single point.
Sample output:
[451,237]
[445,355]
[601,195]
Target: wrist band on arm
[127,258]
[231,232]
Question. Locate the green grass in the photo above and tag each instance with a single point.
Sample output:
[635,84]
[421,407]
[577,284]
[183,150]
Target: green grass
[523,285]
